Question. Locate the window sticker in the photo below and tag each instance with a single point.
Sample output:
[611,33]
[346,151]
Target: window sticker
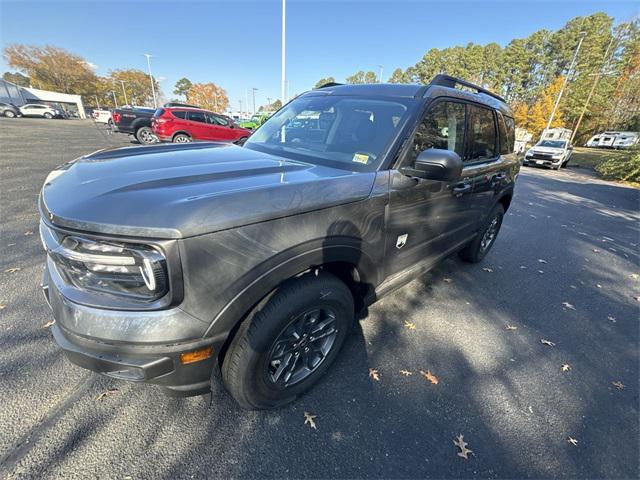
[361,158]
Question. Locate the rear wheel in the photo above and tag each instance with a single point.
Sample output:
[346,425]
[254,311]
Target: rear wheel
[288,342]
[145,136]
[480,246]
[182,138]
[9,113]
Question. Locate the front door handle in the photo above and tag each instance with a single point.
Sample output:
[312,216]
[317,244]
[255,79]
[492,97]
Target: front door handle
[499,177]
[461,188]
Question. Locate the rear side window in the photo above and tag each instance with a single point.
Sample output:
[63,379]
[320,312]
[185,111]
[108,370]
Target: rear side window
[482,134]
[511,133]
[197,117]
[442,127]
[179,114]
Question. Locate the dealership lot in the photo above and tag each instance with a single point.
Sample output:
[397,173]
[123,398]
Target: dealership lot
[563,270]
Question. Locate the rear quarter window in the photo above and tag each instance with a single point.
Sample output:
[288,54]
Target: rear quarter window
[506,132]
[179,114]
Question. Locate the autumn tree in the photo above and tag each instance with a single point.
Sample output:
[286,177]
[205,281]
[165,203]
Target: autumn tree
[52,68]
[362,77]
[17,78]
[137,86]
[540,111]
[208,96]
[182,87]
[324,81]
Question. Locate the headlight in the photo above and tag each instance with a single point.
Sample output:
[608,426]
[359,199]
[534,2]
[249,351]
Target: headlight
[135,272]
[557,155]
[529,153]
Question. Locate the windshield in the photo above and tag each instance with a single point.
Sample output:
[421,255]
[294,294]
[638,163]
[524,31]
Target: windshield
[350,133]
[553,143]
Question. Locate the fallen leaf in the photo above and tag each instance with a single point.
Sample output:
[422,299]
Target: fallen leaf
[462,445]
[612,249]
[573,286]
[595,250]
[49,323]
[611,318]
[510,327]
[637,299]
[572,441]
[487,269]
[406,373]
[447,280]
[11,244]
[27,233]
[2,306]
[410,325]
[309,420]
[547,342]
[107,392]
[540,271]
[568,305]
[373,373]
[12,270]
[618,384]
[523,267]
[635,276]
[566,367]
[429,376]
[540,260]
[598,285]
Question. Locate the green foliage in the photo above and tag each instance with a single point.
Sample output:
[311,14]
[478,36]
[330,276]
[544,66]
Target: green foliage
[362,77]
[182,87]
[16,78]
[624,167]
[324,81]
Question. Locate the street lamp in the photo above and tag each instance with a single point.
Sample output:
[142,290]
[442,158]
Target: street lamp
[153,88]
[124,92]
[253,91]
[380,73]
[114,98]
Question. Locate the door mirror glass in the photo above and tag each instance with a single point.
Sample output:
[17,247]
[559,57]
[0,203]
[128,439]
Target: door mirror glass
[436,164]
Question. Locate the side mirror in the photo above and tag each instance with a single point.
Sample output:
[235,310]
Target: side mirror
[436,164]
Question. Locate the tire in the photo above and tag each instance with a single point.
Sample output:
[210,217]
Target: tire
[478,249]
[9,114]
[249,371]
[241,141]
[182,138]
[47,115]
[145,136]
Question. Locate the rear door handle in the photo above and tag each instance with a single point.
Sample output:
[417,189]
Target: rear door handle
[500,177]
[461,189]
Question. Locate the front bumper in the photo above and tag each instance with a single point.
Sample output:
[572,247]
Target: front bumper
[546,162]
[102,348]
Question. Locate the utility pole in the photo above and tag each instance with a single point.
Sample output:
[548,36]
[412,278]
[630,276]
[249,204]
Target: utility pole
[97,101]
[246,99]
[253,90]
[380,73]
[153,88]
[269,101]
[124,92]
[566,79]
[283,76]
[240,104]
[114,98]
[596,80]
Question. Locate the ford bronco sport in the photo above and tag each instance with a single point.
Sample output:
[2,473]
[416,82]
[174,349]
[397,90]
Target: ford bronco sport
[180,264]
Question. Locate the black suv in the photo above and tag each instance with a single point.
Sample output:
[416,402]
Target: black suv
[169,263]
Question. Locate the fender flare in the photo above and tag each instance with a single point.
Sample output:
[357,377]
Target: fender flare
[249,291]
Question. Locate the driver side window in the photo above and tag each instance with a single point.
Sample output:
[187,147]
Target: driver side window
[442,127]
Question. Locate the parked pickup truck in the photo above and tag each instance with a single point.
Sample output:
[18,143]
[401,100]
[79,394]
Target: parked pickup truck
[135,121]
[169,263]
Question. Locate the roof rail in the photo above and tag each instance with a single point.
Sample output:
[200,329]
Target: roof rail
[330,84]
[451,82]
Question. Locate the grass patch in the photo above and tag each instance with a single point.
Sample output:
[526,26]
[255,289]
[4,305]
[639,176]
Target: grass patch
[592,157]
[625,168]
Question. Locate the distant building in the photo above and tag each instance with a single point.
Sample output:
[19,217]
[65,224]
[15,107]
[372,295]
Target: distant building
[17,95]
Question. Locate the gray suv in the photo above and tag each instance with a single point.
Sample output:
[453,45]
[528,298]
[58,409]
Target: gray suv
[180,265]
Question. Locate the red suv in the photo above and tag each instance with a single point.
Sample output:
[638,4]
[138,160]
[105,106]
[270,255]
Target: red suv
[182,125]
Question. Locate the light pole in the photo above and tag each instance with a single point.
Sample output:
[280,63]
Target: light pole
[380,73]
[283,77]
[566,79]
[153,88]
[240,103]
[97,101]
[253,91]
[215,100]
[124,92]
[114,98]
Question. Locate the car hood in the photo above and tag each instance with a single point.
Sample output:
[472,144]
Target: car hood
[177,191]
[551,150]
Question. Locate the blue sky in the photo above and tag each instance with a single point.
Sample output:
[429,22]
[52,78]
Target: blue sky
[236,44]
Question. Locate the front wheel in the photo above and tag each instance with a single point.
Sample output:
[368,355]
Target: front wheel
[288,342]
[145,136]
[9,114]
[480,246]
[48,116]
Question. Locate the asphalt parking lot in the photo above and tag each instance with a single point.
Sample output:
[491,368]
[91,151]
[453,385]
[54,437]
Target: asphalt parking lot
[564,270]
